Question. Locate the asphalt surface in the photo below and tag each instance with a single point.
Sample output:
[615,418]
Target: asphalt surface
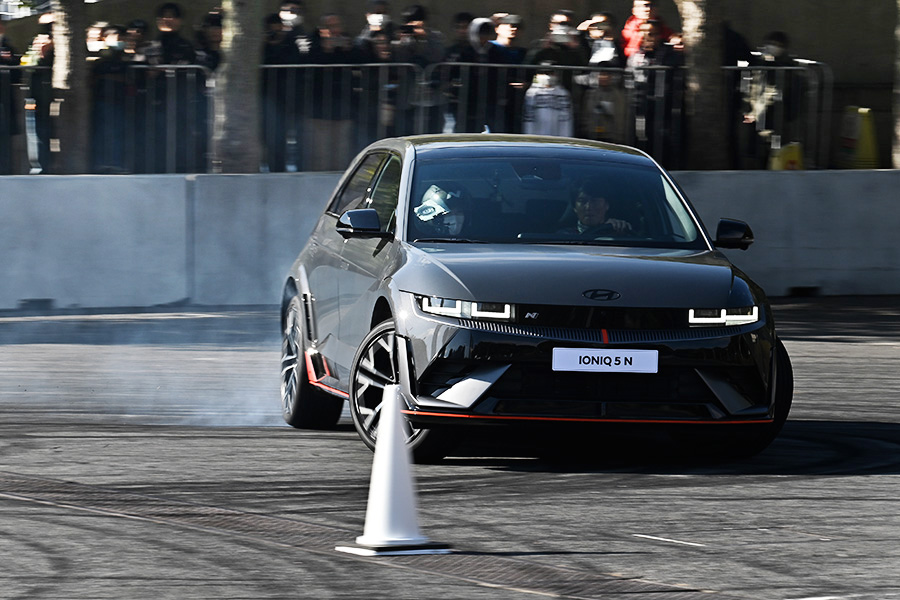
[142,455]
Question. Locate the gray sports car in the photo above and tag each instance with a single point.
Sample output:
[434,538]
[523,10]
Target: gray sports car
[527,281]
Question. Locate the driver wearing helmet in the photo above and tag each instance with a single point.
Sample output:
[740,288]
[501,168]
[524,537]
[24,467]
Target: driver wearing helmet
[442,211]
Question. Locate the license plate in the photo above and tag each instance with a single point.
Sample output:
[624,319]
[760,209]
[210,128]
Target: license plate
[605,361]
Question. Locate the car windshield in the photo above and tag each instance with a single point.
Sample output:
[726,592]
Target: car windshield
[547,201]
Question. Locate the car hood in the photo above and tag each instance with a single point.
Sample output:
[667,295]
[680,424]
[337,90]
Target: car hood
[565,275]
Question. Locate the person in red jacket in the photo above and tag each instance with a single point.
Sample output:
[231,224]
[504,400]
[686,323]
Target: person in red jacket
[641,12]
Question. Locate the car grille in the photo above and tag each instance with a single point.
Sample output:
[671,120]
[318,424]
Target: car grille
[670,394]
[596,317]
[613,336]
[533,390]
[669,385]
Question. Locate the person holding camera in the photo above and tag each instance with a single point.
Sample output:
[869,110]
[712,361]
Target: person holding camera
[417,43]
[563,44]
[603,107]
[334,102]
[378,21]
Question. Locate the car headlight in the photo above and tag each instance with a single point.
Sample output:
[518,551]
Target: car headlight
[463,309]
[711,317]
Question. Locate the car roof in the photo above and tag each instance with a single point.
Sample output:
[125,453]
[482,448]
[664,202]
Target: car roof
[473,145]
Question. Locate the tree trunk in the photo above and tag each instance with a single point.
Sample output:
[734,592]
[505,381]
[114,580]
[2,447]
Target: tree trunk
[237,107]
[705,97]
[71,88]
[896,153]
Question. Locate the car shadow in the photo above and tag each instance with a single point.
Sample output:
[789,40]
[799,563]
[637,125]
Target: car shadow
[802,448]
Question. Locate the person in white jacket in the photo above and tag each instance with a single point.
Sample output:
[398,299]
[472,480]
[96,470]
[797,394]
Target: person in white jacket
[548,107]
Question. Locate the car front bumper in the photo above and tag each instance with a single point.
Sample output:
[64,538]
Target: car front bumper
[466,371]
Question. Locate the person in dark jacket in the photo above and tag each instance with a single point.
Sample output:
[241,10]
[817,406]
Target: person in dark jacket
[485,86]
[507,30]
[110,85]
[378,21]
[9,113]
[170,48]
[334,99]
[174,153]
[209,41]
[561,45]
[655,94]
[591,209]
[41,54]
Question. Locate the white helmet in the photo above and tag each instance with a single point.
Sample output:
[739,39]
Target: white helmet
[441,211]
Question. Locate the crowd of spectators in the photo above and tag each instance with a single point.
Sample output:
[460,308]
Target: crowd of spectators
[145,121]
[616,104]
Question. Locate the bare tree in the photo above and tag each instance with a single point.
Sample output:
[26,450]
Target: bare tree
[237,128]
[71,87]
[702,21]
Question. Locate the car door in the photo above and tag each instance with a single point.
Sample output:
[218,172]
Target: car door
[370,260]
[326,268]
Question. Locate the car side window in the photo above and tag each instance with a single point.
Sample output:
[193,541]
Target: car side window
[357,187]
[386,194]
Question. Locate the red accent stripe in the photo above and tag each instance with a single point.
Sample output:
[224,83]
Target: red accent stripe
[318,382]
[415,413]
[605,336]
[336,391]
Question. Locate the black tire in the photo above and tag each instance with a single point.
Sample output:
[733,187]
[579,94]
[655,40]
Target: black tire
[784,391]
[728,442]
[745,441]
[374,367]
[302,405]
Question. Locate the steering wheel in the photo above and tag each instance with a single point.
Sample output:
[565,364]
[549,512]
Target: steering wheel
[605,230]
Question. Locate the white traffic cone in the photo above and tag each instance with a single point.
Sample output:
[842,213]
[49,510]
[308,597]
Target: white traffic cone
[391,523]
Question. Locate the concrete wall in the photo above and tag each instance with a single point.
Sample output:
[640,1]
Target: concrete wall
[93,240]
[831,230]
[113,241]
[110,241]
[248,231]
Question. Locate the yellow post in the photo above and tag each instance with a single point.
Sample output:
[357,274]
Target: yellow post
[858,149]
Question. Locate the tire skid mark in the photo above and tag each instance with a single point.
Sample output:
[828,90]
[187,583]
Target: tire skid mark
[482,569]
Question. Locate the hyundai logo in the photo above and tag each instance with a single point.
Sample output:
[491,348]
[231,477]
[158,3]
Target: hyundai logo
[601,295]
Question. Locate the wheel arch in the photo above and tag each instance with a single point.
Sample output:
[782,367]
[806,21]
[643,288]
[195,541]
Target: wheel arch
[290,290]
[381,312]
[295,285]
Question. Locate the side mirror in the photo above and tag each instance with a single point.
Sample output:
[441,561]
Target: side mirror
[733,234]
[361,222]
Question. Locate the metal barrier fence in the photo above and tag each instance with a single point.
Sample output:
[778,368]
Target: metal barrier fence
[353,105]
[151,119]
[143,119]
[316,117]
[643,107]
[11,115]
